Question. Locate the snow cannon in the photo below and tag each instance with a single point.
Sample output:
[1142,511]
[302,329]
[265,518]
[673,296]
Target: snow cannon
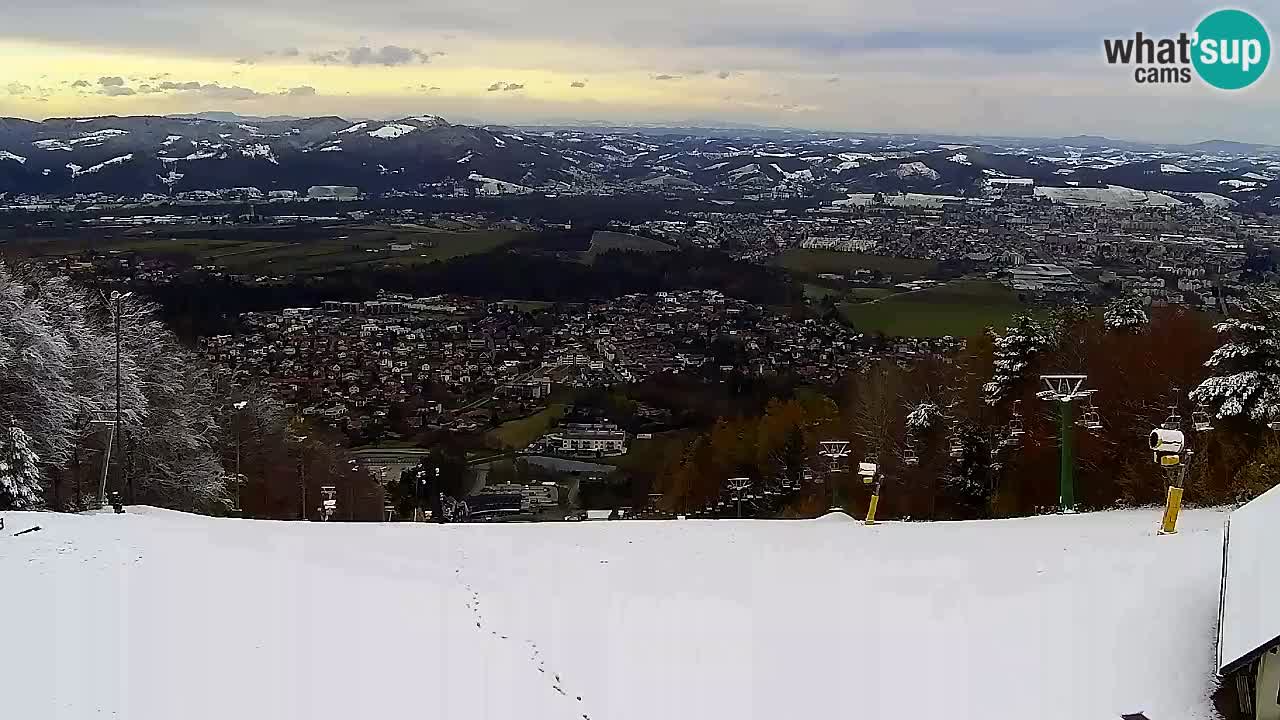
[1166,442]
[867,471]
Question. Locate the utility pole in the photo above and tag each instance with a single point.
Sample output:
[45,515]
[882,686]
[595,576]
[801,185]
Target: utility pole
[238,407]
[302,472]
[118,299]
[438,508]
[115,305]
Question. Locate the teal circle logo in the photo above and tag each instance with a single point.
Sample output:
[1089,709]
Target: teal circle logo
[1232,49]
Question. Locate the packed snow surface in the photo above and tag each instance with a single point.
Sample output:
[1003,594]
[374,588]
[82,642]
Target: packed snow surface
[1114,196]
[260,150]
[915,168]
[155,615]
[51,144]
[77,171]
[394,130]
[98,135]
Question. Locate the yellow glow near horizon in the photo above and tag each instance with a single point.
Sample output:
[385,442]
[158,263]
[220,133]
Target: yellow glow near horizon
[38,82]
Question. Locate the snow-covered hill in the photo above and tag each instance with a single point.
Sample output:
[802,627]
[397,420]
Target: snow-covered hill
[156,615]
[165,155]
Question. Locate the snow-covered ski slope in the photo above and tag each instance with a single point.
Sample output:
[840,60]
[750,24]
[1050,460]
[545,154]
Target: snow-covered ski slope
[156,615]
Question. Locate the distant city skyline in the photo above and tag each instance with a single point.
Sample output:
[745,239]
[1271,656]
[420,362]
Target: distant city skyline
[1033,68]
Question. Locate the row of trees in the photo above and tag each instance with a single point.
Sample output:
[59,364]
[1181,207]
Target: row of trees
[62,348]
[967,436]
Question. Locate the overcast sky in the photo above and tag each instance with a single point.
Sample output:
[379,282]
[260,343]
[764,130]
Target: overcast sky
[1007,67]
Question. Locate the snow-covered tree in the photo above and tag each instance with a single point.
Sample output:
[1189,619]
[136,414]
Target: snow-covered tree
[1246,368]
[171,445]
[19,471]
[923,417]
[58,369]
[36,366]
[1014,351]
[1126,314]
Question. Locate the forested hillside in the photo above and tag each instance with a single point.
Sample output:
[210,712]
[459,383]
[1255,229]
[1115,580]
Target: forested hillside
[942,430]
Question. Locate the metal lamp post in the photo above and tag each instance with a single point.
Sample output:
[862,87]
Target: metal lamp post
[302,472]
[239,476]
[115,303]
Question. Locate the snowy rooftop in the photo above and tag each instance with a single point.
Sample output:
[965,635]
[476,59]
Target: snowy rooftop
[1250,583]
[156,615]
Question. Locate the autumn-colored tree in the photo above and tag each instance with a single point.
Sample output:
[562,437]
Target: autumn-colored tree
[1136,370]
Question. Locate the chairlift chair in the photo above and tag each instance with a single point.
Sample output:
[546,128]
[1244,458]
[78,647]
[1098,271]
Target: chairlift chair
[957,448]
[1173,422]
[1016,427]
[910,457]
[1200,421]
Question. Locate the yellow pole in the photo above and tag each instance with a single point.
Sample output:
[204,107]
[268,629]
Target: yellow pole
[871,509]
[1173,503]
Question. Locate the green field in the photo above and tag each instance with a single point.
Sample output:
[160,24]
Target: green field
[960,308]
[868,293]
[849,294]
[603,241]
[517,434]
[830,261]
[304,249]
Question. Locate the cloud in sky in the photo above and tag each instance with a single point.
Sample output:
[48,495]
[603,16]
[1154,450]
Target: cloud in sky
[114,81]
[301,91]
[1026,67]
[213,90]
[386,56]
[504,87]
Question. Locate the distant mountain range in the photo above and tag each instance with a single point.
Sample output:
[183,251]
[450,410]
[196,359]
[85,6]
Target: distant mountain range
[166,155]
